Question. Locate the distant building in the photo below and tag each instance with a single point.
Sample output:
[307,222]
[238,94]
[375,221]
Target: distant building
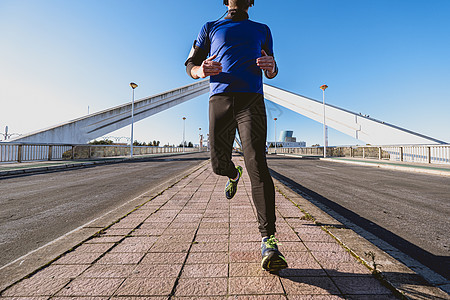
[287,140]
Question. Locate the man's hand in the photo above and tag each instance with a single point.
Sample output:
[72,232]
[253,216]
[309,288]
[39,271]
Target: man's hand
[267,63]
[208,68]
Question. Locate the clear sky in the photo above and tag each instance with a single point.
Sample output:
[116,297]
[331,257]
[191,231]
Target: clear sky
[386,58]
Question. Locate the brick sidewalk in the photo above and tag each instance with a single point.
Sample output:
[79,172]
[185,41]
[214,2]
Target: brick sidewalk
[191,243]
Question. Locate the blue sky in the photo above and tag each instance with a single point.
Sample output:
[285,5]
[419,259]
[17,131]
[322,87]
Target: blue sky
[387,58]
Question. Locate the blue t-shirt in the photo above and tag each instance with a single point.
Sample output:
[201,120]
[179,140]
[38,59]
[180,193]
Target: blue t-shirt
[237,44]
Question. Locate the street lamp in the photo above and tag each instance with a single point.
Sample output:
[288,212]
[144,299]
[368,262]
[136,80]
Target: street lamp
[133,86]
[184,129]
[201,139]
[323,88]
[275,134]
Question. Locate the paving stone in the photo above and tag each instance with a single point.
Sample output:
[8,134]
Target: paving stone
[105,239]
[126,225]
[108,271]
[153,270]
[255,285]
[346,269]
[247,270]
[287,237]
[27,298]
[179,238]
[320,237]
[244,226]
[91,287]
[170,247]
[316,297]
[245,246]
[148,232]
[374,297]
[205,270]
[180,231]
[322,246]
[361,286]
[301,260]
[202,287]
[137,298]
[76,257]
[154,225]
[207,257]
[135,244]
[209,247]
[223,238]
[94,248]
[183,225]
[201,298]
[120,258]
[36,287]
[213,231]
[309,286]
[60,271]
[164,258]
[330,256]
[307,270]
[253,237]
[245,256]
[213,225]
[120,232]
[257,297]
[78,298]
[146,287]
[296,246]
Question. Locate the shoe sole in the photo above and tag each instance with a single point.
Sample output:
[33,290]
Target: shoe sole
[273,263]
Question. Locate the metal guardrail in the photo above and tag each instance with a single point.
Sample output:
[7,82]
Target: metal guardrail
[14,152]
[432,154]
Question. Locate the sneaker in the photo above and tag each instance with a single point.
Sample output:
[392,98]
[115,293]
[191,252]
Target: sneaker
[231,187]
[272,259]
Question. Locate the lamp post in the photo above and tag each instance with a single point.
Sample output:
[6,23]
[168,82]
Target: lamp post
[275,134]
[184,128]
[323,88]
[133,86]
[201,139]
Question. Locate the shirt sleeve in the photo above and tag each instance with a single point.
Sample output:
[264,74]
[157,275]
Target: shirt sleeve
[203,39]
[199,51]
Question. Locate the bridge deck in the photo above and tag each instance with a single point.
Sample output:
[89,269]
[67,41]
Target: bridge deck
[191,242]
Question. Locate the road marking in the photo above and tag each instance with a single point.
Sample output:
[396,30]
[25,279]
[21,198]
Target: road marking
[326,168]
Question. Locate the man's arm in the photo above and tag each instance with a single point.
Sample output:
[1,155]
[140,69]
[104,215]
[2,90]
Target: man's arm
[268,65]
[209,67]
[198,66]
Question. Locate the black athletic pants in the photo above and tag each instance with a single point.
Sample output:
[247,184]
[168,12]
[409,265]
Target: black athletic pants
[245,112]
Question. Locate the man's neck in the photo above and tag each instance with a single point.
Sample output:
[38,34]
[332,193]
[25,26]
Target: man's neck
[237,14]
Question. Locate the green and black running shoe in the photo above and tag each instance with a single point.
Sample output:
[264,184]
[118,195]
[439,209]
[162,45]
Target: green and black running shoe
[231,187]
[272,259]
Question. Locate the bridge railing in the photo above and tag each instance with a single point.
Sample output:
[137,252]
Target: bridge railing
[432,154]
[14,152]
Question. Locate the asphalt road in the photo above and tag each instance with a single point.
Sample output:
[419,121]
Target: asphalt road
[38,208]
[409,211]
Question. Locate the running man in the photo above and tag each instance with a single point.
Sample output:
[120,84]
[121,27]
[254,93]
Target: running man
[239,51]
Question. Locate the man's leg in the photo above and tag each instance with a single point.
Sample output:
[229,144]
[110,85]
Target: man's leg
[222,130]
[252,125]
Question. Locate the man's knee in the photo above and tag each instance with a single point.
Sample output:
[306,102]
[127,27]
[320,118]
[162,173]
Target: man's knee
[223,169]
